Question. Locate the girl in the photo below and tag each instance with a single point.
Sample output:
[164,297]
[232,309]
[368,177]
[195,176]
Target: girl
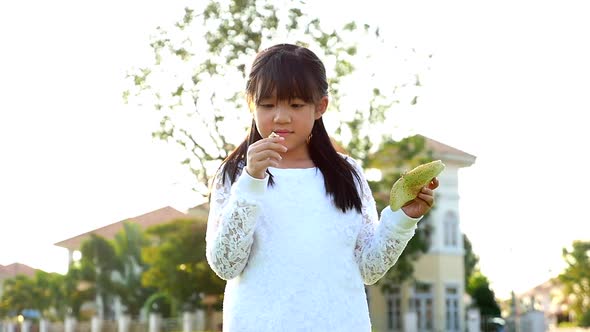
[293,226]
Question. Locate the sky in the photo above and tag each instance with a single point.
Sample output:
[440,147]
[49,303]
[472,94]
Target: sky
[508,82]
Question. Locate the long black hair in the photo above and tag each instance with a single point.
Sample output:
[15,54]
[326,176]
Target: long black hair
[296,72]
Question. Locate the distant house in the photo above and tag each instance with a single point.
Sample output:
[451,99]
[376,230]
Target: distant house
[157,217]
[548,297]
[160,216]
[12,270]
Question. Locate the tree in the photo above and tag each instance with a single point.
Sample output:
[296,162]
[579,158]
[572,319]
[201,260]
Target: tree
[212,47]
[483,296]
[128,245]
[42,292]
[470,259]
[19,293]
[61,298]
[71,292]
[182,84]
[98,264]
[46,291]
[477,284]
[4,308]
[178,267]
[576,280]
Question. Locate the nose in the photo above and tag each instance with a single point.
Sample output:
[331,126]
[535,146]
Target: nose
[282,114]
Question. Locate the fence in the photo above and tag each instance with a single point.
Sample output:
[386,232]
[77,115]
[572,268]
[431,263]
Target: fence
[189,322]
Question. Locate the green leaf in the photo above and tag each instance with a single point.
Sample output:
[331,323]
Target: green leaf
[351,26]
[179,91]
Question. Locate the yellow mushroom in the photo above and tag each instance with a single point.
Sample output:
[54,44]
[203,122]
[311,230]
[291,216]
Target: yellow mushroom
[407,187]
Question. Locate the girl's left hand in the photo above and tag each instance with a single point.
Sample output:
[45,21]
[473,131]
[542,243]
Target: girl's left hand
[423,202]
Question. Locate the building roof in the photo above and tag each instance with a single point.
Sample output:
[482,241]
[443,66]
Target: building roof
[441,150]
[160,216]
[447,152]
[200,211]
[546,287]
[14,269]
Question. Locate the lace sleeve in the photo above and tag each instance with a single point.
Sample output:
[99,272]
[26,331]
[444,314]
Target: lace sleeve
[380,242]
[233,211]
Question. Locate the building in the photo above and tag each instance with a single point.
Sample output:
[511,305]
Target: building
[160,216]
[74,244]
[548,298]
[436,297]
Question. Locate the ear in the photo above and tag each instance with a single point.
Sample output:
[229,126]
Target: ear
[320,108]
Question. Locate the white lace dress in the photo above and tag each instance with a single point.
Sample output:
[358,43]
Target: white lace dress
[293,261]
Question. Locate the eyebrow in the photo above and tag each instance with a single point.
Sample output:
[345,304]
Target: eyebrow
[274,97]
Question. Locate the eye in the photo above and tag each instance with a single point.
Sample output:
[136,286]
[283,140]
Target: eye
[296,106]
[266,105]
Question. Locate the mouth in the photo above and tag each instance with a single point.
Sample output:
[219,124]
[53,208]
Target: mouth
[282,133]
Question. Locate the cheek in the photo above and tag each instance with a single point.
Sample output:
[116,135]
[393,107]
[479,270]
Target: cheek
[263,122]
[308,120]
[259,118]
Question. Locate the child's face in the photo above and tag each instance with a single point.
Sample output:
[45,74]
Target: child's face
[293,119]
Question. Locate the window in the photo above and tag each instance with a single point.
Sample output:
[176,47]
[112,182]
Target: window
[394,310]
[452,308]
[451,229]
[422,304]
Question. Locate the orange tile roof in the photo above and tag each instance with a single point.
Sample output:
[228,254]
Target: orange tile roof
[200,211]
[160,216]
[442,148]
[14,269]
[434,145]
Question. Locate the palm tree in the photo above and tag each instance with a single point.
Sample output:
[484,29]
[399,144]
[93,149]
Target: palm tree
[97,267]
[71,292]
[128,245]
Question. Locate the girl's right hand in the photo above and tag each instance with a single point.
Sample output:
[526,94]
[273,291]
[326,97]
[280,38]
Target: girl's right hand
[263,154]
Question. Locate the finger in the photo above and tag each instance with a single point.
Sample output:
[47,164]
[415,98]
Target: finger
[428,199]
[266,154]
[254,151]
[277,147]
[273,139]
[264,164]
[433,183]
[427,191]
[268,144]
